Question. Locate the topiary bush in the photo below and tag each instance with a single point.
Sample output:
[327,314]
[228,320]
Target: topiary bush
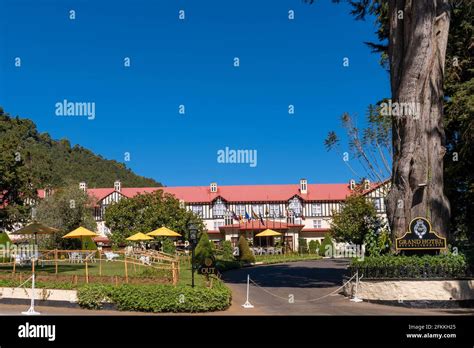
[302,246]
[411,267]
[245,255]
[327,247]
[314,246]
[204,249]
[227,251]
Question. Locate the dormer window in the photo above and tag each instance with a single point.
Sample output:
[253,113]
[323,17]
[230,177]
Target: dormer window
[303,186]
[366,184]
[117,185]
[213,187]
[352,184]
[83,186]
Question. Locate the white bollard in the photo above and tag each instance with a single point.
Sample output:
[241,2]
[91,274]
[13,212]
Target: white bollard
[31,310]
[355,298]
[247,304]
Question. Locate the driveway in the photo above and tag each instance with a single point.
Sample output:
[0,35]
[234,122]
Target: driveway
[295,288]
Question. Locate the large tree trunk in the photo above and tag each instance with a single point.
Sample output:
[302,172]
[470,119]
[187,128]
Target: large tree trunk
[417,51]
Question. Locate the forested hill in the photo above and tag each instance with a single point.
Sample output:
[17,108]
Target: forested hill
[55,162]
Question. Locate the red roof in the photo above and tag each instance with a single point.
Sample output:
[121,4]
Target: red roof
[240,193]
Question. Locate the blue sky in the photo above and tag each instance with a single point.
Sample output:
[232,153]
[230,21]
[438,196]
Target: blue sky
[190,62]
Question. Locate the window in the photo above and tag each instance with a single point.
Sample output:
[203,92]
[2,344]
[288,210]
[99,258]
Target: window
[295,205]
[240,209]
[213,187]
[274,210]
[378,204]
[258,209]
[317,223]
[217,224]
[317,209]
[197,209]
[218,208]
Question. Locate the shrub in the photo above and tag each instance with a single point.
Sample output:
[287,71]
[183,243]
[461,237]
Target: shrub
[302,246]
[88,244]
[227,251]
[377,243]
[245,255]
[157,298]
[168,246]
[4,239]
[323,249]
[314,246]
[412,267]
[204,249]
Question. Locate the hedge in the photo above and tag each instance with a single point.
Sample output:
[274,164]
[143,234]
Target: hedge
[156,298]
[411,267]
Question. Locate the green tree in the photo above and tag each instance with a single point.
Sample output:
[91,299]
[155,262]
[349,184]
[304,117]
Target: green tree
[66,209]
[356,218]
[245,254]
[327,247]
[227,251]
[147,212]
[204,249]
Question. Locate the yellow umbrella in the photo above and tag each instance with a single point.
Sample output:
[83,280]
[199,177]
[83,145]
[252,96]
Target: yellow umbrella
[268,233]
[81,232]
[163,232]
[139,236]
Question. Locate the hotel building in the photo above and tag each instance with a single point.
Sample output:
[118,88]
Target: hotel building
[299,210]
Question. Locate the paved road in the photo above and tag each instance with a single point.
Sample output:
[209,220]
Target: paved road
[305,281]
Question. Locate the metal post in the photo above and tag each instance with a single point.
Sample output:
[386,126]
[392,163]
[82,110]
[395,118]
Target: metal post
[31,310]
[192,267]
[247,303]
[355,298]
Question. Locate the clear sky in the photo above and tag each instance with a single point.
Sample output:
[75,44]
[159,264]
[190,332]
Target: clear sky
[191,62]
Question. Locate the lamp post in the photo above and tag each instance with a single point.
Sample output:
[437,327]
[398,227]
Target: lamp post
[193,240]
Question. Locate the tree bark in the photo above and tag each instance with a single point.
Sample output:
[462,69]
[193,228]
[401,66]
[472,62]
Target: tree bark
[417,50]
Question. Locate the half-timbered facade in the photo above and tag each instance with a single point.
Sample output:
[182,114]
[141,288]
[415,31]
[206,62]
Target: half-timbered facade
[297,210]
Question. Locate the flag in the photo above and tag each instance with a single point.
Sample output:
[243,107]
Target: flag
[266,211]
[235,217]
[261,219]
[254,216]
[247,216]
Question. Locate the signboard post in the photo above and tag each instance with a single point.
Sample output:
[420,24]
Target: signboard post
[420,237]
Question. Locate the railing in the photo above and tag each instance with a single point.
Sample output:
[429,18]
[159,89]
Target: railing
[116,266]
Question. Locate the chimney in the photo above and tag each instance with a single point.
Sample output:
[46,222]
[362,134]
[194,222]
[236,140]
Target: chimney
[83,186]
[366,184]
[182,204]
[117,185]
[304,186]
[213,187]
[352,184]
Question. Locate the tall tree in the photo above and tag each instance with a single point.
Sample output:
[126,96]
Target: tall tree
[417,33]
[417,50]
